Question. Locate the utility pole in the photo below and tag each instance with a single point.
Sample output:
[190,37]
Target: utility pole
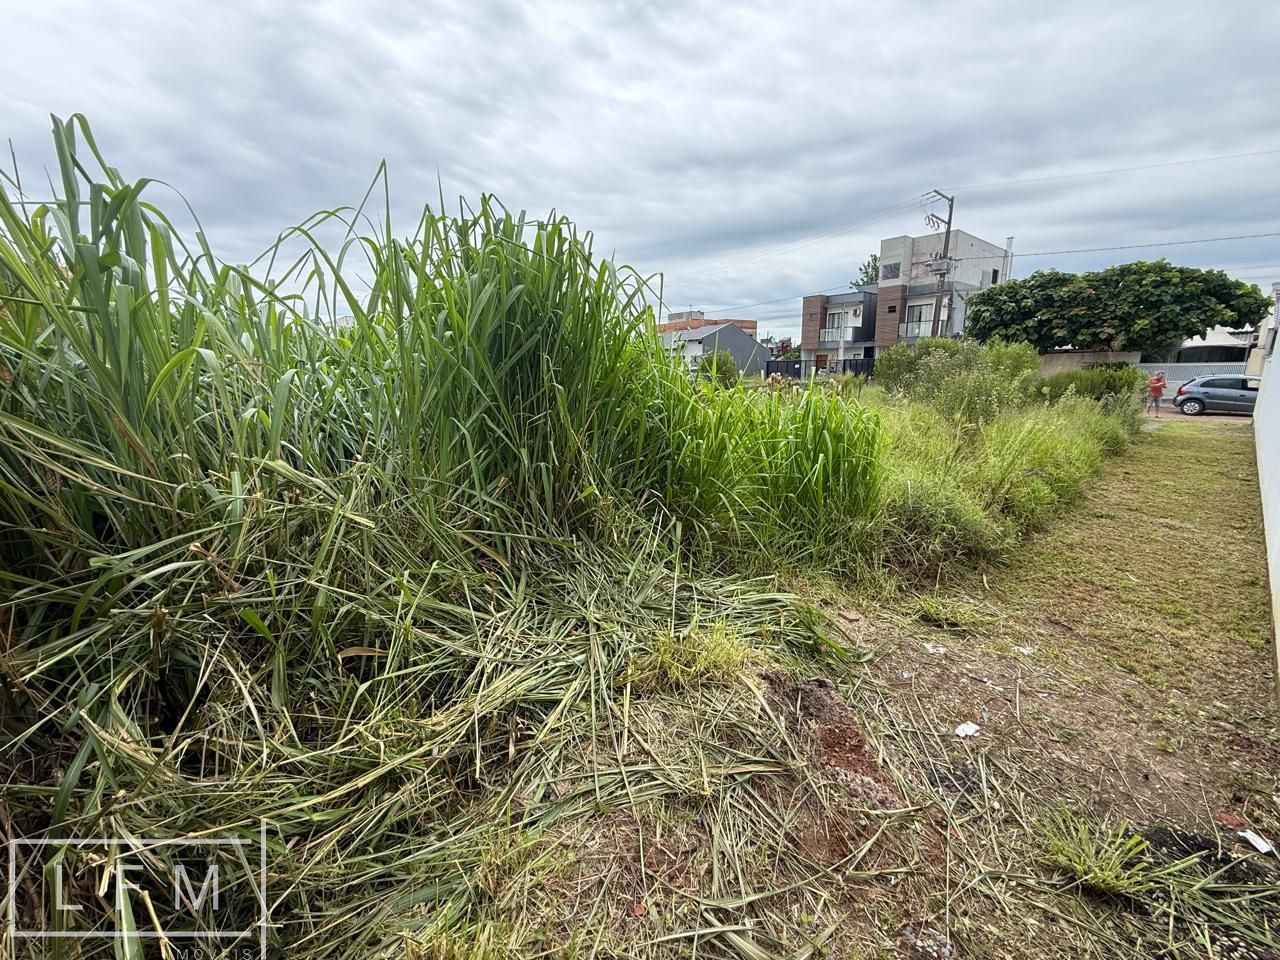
[943,267]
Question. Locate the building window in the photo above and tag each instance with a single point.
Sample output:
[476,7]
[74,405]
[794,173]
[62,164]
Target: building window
[995,276]
[841,325]
[830,331]
[892,309]
[918,322]
[890,271]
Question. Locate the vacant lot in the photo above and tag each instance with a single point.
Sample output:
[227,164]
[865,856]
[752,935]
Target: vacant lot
[458,601]
[1119,668]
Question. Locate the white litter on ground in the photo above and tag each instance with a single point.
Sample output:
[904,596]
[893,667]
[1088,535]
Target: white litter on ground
[1257,842]
[967,729]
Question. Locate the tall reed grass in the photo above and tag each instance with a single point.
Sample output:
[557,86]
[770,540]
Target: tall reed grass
[364,542]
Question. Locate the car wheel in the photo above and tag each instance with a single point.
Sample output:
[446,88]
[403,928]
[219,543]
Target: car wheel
[1192,407]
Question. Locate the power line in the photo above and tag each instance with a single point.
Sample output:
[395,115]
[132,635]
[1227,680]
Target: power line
[1127,246]
[1100,173]
[903,205]
[764,303]
[1248,266]
[870,218]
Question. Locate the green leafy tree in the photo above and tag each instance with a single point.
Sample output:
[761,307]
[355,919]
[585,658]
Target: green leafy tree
[1144,306]
[720,368]
[870,272]
[1031,311]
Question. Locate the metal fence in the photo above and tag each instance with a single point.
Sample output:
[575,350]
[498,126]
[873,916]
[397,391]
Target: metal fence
[1179,373]
[803,369]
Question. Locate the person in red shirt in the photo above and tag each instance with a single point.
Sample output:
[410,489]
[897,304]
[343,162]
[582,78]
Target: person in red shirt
[1155,391]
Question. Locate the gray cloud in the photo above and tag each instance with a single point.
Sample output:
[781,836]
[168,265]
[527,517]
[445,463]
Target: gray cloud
[694,139]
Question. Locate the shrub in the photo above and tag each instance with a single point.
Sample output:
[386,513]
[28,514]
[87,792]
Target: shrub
[720,368]
[1096,383]
[895,367]
[961,377]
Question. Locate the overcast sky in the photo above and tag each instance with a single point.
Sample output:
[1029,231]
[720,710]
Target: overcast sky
[742,149]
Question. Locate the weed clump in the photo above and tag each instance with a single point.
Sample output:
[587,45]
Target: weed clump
[977,458]
[716,654]
[961,377]
[1119,381]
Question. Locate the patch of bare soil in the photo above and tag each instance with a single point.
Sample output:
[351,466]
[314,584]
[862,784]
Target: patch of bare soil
[816,715]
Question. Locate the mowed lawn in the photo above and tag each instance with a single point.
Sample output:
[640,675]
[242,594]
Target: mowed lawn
[1120,666]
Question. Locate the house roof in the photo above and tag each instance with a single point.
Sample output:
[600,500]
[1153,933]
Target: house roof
[1220,337]
[694,335]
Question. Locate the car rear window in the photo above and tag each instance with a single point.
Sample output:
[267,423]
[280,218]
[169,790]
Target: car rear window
[1222,383]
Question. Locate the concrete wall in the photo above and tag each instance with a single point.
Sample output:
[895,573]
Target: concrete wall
[1266,434]
[687,350]
[1176,374]
[1051,363]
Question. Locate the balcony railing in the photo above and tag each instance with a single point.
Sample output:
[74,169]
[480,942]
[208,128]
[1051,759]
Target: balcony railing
[832,334]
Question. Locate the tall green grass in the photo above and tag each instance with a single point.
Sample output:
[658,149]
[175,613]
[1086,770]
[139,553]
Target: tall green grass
[366,541]
[972,490]
[982,450]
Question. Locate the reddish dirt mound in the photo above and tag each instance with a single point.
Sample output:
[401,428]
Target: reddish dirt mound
[815,714]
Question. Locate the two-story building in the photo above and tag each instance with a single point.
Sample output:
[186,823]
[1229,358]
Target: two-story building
[837,328]
[904,305]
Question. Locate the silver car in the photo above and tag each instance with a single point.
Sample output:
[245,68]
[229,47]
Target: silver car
[1217,394]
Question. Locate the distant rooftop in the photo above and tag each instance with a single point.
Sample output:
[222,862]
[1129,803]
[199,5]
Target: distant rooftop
[694,335]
